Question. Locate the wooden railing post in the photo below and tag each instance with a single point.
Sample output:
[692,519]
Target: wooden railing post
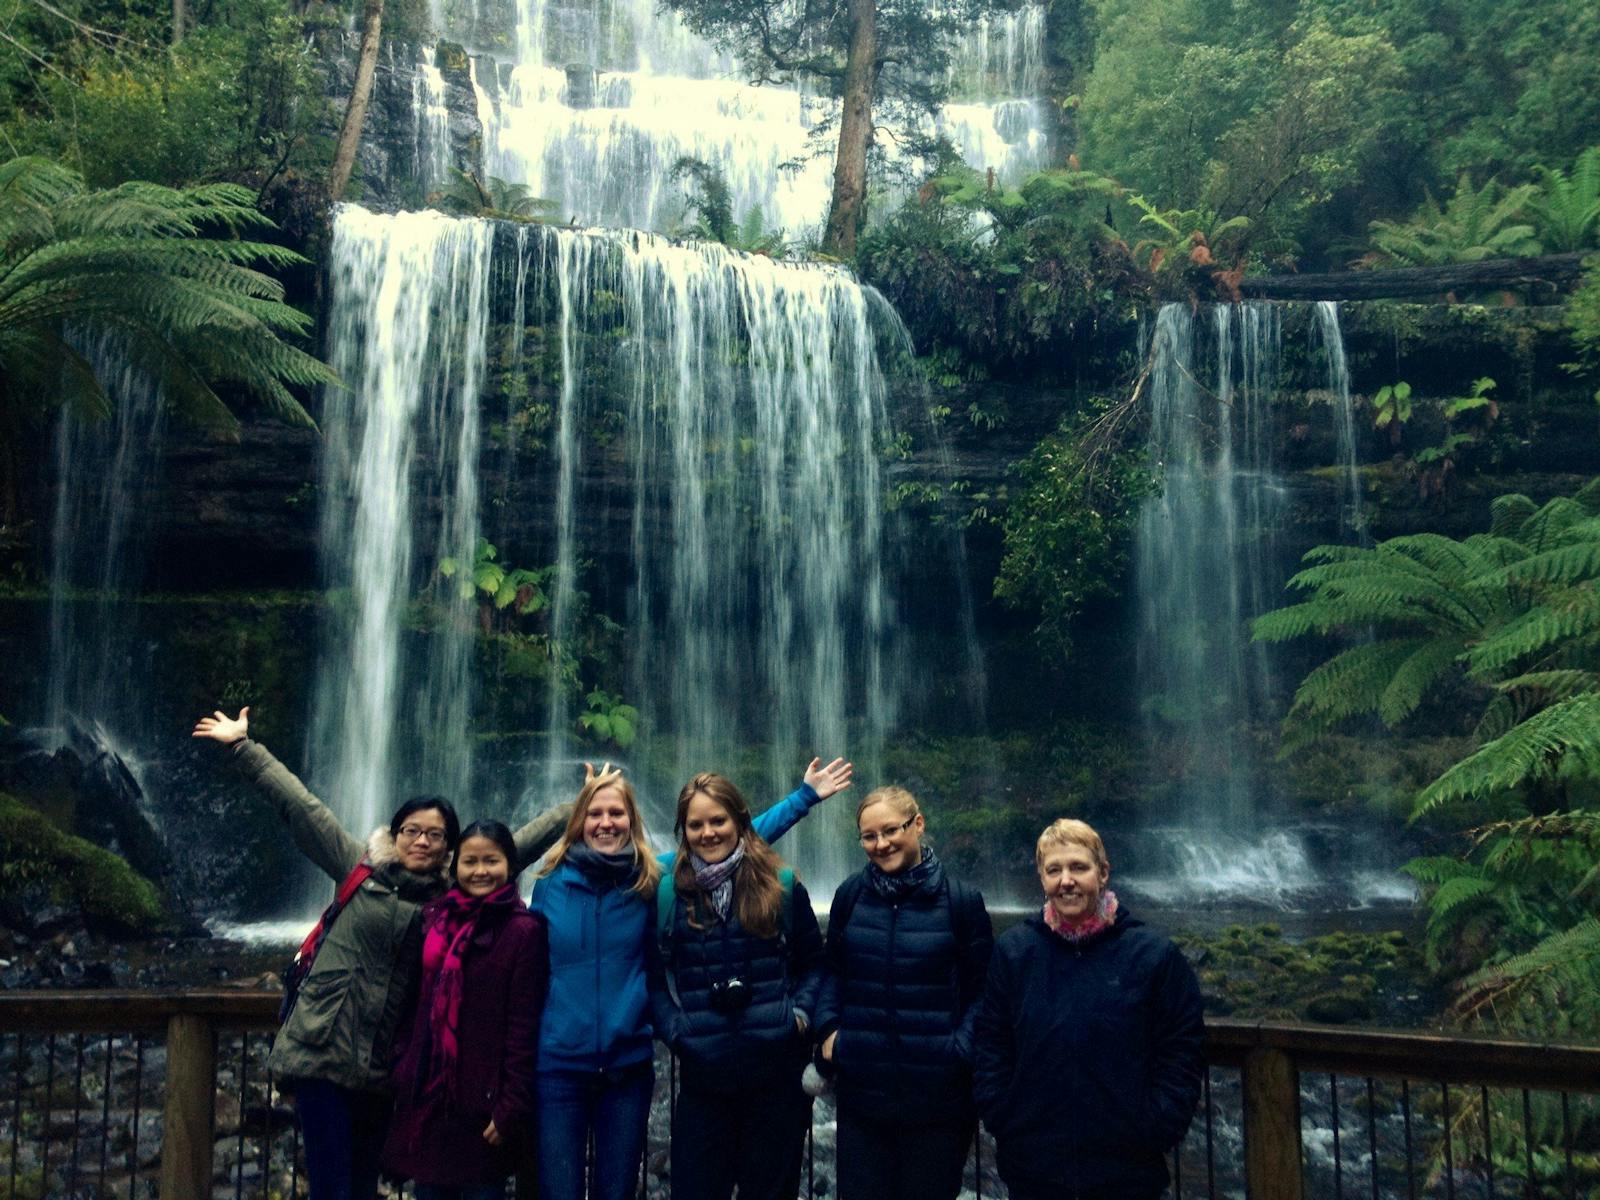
[1271,1126]
[186,1120]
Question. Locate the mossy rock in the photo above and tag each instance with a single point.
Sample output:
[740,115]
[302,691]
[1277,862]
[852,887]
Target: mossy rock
[1338,1008]
[75,874]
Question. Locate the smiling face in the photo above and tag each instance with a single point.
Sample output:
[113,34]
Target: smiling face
[420,841]
[891,838]
[607,826]
[481,866]
[709,829]
[1072,880]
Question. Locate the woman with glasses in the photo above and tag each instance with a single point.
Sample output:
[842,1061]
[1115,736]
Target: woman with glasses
[333,1051]
[734,971]
[1086,1005]
[907,950]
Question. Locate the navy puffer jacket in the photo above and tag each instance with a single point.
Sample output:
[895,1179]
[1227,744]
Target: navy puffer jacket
[904,979]
[729,1050]
[1110,1028]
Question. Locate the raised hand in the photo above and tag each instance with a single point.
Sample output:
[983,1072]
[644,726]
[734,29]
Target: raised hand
[829,780]
[220,727]
[606,774]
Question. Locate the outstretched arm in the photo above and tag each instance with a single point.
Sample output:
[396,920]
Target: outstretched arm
[819,783]
[316,830]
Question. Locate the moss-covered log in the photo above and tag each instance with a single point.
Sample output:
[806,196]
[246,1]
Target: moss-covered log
[1548,276]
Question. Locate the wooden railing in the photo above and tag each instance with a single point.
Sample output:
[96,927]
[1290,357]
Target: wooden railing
[1276,1065]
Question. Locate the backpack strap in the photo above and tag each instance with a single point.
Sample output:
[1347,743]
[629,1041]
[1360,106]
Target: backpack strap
[666,904]
[300,966]
[844,903]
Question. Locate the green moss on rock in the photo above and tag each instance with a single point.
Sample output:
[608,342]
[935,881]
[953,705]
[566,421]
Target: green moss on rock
[73,873]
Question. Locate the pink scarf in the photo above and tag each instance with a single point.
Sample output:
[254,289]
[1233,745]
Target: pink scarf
[448,926]
[1104,916]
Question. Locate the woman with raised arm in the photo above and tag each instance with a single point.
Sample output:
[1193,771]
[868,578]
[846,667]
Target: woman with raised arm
[596,890]
[734,970]
[1090,1037]
[332,1053]
[908,948]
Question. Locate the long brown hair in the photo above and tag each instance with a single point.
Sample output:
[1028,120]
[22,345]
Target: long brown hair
[647,870]
[757,893]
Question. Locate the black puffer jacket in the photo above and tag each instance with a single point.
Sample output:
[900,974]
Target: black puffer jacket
[729,1050]
[902,989]
[1089,1057]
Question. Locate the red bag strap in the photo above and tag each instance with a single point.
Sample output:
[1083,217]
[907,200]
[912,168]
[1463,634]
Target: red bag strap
[358,875]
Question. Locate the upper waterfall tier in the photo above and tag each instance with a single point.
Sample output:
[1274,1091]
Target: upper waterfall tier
[600,99]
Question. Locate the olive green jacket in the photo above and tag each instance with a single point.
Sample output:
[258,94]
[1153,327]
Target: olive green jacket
[349,1005]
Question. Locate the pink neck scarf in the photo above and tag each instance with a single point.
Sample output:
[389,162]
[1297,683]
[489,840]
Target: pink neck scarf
[449,925]
[1103,917]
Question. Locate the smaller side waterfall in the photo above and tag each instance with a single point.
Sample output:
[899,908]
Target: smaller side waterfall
[1326,314]
[102,469]
[1204,545]
[409,305]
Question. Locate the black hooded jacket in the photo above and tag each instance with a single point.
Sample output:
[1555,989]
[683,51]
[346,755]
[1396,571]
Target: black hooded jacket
[902,992]
[1089,1057]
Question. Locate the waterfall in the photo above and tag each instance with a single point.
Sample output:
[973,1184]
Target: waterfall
[430,135]
[399,492]
[1326,322]
[103,468]
[1208,559]
[602,99]
[1204,548]
[754,406]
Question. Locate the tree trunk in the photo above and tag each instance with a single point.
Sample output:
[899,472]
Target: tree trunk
[855,132]
[180,16]
[1547,277]
[355,113]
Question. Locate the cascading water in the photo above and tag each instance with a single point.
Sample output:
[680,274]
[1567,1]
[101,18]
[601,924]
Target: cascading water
[1326,318]
[603,99]
[102,468]
[407,334]
[755,410]
[430,123]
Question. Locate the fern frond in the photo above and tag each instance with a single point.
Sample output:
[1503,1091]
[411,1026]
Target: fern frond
[1414,676]
[1353,681]
[1526,753]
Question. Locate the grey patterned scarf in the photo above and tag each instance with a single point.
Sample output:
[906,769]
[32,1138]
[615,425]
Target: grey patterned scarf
[716,879]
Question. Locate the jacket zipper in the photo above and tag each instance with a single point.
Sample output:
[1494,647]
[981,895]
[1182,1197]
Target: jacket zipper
[597,1006]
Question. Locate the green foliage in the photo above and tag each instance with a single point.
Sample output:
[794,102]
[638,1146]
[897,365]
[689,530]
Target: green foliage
[1000,273]
[498,586]
[608,719]
[73,872]
[465,195]
[1068,529]
[163,271]
[1583,318]
[1507,622]
[1391,409]
[711,206]
[1188,245]
[1566,209]
[240,98]
[1474,224]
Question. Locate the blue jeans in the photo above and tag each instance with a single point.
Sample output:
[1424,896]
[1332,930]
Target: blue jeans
[491,1191]
[342,1132]
[612,1107]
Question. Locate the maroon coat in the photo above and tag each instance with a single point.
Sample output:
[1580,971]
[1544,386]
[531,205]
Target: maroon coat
[505,972]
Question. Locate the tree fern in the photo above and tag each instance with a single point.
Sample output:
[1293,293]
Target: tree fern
[1526,753]
[167,270]
[1566,211]
[1474,224]
[1554,987]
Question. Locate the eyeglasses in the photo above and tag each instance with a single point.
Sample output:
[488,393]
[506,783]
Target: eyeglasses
[434,837]
[873,836]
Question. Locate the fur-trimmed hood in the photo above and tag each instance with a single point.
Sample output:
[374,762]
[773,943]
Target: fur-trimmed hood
[382,852]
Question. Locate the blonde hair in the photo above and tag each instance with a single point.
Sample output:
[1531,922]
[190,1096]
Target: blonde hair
[646,869]
[757,891]
[897,798]
[1070,832]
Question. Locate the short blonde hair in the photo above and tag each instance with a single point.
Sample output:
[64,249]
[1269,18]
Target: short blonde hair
[897,798]
[1070,832]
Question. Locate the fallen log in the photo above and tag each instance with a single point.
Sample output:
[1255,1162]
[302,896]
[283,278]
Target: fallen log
[1546,276]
